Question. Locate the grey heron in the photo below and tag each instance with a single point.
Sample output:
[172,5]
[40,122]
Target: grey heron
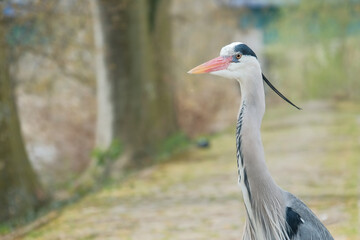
[272,213]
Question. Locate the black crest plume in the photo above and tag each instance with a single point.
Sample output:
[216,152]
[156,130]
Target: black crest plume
[277,92]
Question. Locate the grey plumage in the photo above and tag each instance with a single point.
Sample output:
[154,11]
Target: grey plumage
[272,213]
[265,202]
[311,228]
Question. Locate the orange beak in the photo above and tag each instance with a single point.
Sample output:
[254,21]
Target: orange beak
[216,64]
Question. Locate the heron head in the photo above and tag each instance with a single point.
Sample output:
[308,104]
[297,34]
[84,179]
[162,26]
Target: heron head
[236,61]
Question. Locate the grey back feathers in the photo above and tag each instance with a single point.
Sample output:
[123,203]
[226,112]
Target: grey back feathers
[309,226]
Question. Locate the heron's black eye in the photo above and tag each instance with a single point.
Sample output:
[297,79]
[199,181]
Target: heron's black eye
[238,56]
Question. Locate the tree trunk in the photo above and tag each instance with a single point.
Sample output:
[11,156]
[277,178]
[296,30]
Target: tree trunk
[139,58]
[20,190]
[105,118]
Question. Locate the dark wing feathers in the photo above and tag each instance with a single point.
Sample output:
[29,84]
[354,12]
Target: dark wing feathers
[293,221]
[302,222]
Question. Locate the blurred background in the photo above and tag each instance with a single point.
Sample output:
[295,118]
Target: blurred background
[104,135]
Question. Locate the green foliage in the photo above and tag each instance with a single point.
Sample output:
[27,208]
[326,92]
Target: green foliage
[325,78]
[318,21]
[174,143]
[4,229]
[319,41]
[108,155]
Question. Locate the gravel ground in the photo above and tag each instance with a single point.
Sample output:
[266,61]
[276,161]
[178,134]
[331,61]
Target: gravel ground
[312,153]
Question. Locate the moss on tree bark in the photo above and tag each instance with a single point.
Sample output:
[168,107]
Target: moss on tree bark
[20,190]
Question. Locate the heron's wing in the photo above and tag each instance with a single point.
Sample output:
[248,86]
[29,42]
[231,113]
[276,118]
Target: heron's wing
[309,227]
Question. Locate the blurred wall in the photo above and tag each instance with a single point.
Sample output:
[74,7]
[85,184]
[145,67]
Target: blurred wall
[206,104]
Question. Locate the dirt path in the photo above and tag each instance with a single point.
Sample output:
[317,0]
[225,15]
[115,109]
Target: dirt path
[314,153]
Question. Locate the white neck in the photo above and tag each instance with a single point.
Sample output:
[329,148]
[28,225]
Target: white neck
[252,110]
[259,190]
